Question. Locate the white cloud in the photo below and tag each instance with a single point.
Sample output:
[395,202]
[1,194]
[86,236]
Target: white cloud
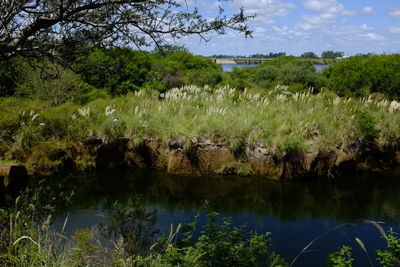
[286,32]
[371,36]
[395,12]
[368,10]
[334,7]
[349,30]
[317,21]
[265,10]
[394,30]
[324,6]
[362,32]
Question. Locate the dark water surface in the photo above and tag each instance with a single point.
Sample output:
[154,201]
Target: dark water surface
[295,212]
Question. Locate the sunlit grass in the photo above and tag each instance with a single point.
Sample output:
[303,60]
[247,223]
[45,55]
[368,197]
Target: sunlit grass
[278,118]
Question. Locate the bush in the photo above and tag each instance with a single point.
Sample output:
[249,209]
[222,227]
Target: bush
[360,76]
[90,93]
[341,258]
[224,246]
[49,82]
[204,77]
[266,75]
[366,124]
[287,71]
[11,71]
[117,70]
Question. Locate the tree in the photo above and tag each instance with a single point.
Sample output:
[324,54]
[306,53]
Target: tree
[331,54]
[35,28]
[280,54]
[309,55]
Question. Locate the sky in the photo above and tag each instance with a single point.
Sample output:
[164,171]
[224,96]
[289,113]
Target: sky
[294,27]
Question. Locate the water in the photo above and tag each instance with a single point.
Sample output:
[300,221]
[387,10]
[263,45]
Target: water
[229,67]
[295,212]
[320,67]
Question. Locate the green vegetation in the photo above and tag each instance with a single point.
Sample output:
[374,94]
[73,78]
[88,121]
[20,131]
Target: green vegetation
[119,92]
[309,55]
[117,71]
[172,95]
[280,118]
[341,258]
[128,238]
[362,76]
[99,73]
[331,54]
[391,255]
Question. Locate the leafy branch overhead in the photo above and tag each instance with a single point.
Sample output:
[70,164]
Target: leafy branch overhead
[45,27]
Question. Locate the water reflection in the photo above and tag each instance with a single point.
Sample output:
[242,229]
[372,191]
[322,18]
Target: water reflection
[346,199]
[294,211]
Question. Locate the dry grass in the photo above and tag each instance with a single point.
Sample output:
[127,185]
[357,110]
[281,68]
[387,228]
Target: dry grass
[280,119]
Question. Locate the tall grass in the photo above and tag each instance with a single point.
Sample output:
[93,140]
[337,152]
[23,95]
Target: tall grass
[279,118]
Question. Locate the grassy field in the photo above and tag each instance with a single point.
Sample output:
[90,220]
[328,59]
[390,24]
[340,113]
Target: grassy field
[279,118]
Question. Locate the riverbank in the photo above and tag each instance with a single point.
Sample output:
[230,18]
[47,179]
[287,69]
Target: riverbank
[193,130]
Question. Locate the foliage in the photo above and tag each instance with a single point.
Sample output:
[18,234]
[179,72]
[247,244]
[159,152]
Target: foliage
[367,123]
[187,69]
[297,73]
[309,55]
[27,238]
[58,28]
[331,54]
[270,55]
[391,255]
[116,70]
[227,246]
[50,82]
[122,70]
[133,223]
[280,118]
[266,75]
[341,258]
[10,73]
[86,252]
[360,76]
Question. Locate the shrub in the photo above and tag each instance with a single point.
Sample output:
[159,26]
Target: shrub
[341,258]
[90,93]
[391,255]
[49,82]
[366,124]
[224,246]
[285,71]
[361,76]
[117,70]
[204,77]
[266,75]
[11,71]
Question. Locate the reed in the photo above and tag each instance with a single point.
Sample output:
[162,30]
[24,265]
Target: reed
[279,118]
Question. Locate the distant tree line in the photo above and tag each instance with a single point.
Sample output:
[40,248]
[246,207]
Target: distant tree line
[325,54]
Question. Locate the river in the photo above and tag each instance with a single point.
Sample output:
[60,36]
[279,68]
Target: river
[229,67]
[295,212]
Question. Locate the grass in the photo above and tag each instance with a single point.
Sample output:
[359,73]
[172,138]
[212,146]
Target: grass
[8,161]
[278,118]
[26,243]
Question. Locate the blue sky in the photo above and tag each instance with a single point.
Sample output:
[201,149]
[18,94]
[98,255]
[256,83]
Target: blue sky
[354,26]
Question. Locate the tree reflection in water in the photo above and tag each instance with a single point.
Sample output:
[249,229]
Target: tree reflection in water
[132,224]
